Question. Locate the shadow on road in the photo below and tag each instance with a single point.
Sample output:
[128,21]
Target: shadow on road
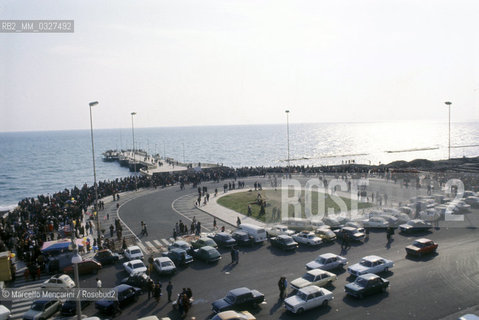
[368,301]
[423,258]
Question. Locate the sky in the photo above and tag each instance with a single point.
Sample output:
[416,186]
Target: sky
[190,63]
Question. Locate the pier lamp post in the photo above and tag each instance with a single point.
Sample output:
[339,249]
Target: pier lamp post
[134,155]
[448,103]
[287,129]
[95,206]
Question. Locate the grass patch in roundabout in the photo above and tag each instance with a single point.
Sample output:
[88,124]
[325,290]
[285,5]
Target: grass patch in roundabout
[239,202]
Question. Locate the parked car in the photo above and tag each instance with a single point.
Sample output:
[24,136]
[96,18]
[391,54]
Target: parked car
[207,254]
[134,266]
[223,239]
[308,298]
[283,242]
[473,201]
[326,234]
[352,233]
[415,225]
[126,295]
[105,257]
[203,242]
[354,224]
[85,267]
[307,238]
[366,284]
[233,315]
[370,264]
[133,253]
[393,221]
[376,223]
[315,277]
[4,313]
[59,281]
[69,308]
[332,222]
[243,238]
[327,261]
[421,246]
[179,256]
[42,309]
[138,280]
[180,244]
[164,265]
[279,229]
[240,298]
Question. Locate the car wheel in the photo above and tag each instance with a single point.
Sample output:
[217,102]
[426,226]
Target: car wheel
[325,303]
[300,310]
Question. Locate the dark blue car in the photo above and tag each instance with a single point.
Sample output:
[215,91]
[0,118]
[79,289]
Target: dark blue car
[126,295]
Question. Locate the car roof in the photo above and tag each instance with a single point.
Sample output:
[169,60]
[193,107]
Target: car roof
[349,228]
[177,250]
[122,287]
[310,289]
[284,236]
[280,226]
[163,259]
[136,261]
[423,240]
[223,234]
[133,248]
[207,248]
[316,272]
[372,258]
[328,255]
[240,291]
[64,277]
[369,276]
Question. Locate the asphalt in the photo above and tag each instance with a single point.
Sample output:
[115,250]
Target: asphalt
[441,286]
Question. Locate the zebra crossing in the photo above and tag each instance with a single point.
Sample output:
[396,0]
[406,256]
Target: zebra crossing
[155,246]
[19,307]
[185,206]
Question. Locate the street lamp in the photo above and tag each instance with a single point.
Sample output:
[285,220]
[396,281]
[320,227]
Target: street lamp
[287,128]
[95,206]
[134,155]
[448,103]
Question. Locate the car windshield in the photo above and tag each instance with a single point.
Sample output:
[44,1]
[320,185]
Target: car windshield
[302,295]
[308,277]
[361,282]
[288,240]
[138,265]
[311,236]
[38,306]
[135,251]
[230,298]
[321,260]
[166,264]
[418,244]
[365,263]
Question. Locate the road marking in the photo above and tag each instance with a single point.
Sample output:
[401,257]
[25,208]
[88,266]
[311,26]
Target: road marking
[142,247]
[151,246]
[165,242]
[171,240]
[158,243]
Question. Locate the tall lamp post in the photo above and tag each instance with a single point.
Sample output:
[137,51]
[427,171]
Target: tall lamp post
[134,155]
[448,103]
[287,129]
[95,206]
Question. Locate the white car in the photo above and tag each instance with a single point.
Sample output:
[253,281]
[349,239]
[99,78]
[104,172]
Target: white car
[59,281]
[370,264]
[393,221]
[327,261]
[279,229]
[308,238]
[164,265]
[332,222]
[308,298]
[376,222]
[315,277]
[134,266]
[133,253]
[4,312]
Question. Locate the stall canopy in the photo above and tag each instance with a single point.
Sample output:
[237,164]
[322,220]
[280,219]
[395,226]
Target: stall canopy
[59,245]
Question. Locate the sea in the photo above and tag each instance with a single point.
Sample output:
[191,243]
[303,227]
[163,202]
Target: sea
[34,163]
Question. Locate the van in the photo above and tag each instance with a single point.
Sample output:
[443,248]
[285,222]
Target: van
[258,233]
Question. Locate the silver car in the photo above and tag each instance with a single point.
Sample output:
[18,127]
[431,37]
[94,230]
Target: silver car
[42,309]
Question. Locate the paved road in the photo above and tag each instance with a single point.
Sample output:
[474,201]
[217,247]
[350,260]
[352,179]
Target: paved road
[435,287]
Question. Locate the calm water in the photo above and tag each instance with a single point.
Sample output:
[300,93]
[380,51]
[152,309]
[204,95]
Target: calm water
[33,163]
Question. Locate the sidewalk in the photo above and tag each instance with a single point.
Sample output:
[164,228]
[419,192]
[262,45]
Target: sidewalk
[227,215]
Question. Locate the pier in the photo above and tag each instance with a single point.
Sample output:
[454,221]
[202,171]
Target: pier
[141,161]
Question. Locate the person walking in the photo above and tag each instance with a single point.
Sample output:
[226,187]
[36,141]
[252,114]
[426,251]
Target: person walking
[149,287]
[214,223]
[282,285]
[169,290]
[238,221]
[157,292]
[233,255]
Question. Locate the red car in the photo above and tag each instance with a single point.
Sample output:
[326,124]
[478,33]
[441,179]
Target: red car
[421,246]
[85,267]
